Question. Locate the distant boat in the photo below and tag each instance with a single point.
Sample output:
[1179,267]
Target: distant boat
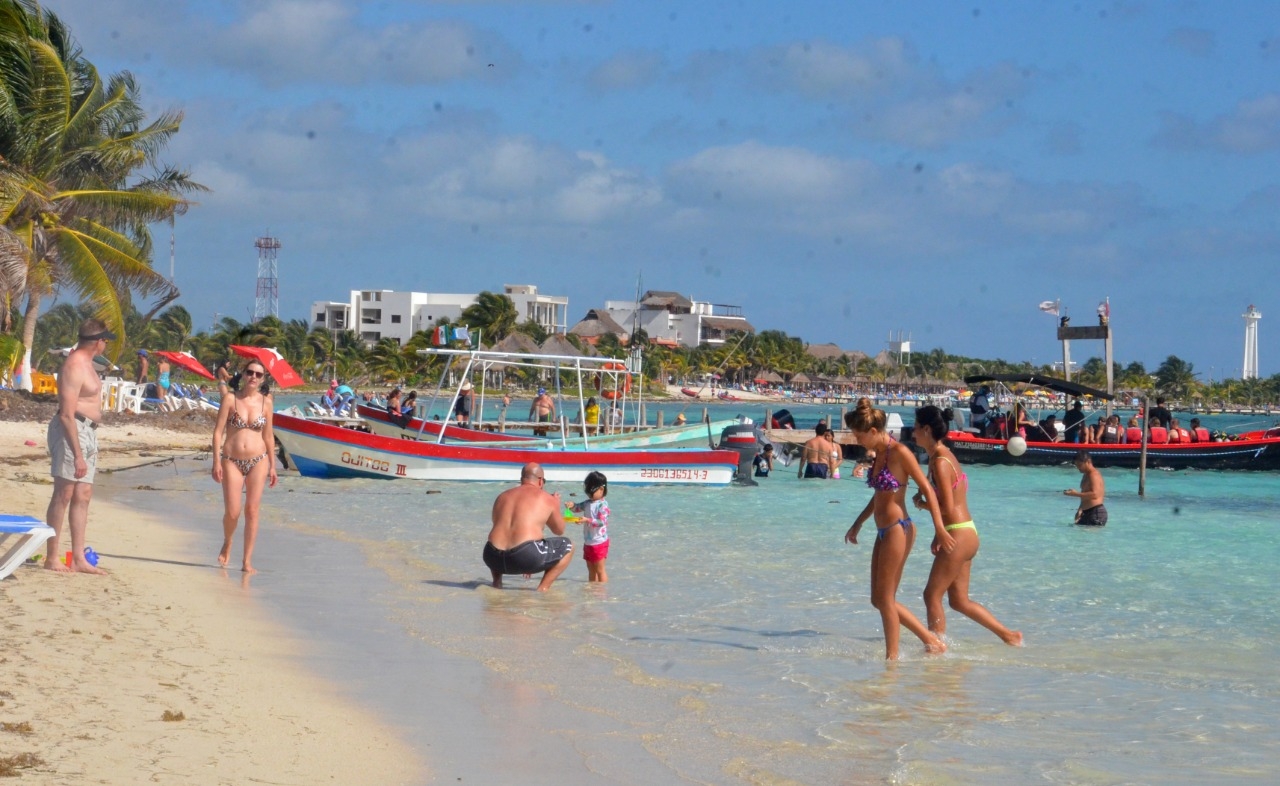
[725,395]
[689,392]
[1255,450]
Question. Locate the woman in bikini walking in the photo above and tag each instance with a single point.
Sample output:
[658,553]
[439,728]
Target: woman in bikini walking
[895,534]
[950,574]
[244,462]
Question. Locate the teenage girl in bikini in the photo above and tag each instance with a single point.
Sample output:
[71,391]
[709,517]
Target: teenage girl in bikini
[245,460]
[950,574]
[894,466]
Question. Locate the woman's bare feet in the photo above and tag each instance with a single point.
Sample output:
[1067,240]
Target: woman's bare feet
[225,554]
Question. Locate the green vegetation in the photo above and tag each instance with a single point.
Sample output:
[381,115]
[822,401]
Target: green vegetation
[81,180]
[319,355]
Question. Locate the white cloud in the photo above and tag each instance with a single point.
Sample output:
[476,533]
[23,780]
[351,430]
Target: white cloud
[752,172]
[323,40]
[627,71]
[1252,127]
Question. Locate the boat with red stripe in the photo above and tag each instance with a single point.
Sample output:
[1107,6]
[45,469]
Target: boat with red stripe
[318,449]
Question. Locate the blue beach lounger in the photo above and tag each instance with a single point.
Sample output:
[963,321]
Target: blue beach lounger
[20,537]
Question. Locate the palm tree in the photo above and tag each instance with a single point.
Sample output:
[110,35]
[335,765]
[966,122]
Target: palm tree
[69,214]
[494,314]
[1176,377]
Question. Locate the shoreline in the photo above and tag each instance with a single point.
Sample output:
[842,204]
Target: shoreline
[93,663]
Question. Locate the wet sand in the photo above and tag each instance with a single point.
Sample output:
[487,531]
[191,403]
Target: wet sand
[90,666]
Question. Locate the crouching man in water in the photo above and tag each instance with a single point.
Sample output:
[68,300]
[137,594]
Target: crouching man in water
[1091,512]
[515,543]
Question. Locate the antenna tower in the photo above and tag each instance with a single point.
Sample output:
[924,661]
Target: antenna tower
[1250,368]
[268,297]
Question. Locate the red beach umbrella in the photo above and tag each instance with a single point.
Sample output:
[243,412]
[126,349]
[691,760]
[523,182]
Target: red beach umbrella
[277,366]
[186,361]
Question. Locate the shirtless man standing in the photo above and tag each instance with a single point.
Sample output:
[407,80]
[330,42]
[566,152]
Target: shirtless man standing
[1091,513]
[542,410]
[815,458]
[73,446]
[515,543]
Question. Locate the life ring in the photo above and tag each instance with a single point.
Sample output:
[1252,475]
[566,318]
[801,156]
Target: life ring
[623,387]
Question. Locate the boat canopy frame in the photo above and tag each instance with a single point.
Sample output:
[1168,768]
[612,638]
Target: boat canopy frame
[1041,380]
[485,359]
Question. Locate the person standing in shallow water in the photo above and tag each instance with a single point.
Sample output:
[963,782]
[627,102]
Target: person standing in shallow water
[894,466]
[244,457]
[1091,513]
[950,573]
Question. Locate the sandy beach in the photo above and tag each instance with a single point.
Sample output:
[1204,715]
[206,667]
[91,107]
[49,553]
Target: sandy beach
[90,667]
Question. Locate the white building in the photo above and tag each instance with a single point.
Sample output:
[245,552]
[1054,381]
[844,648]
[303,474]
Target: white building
[671,318]
[376,314]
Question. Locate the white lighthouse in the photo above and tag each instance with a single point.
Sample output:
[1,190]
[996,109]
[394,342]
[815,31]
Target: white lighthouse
[1250,368]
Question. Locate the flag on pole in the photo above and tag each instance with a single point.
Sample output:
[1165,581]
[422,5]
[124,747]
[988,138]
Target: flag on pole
[460,333]
[1050,307]
[1104,309]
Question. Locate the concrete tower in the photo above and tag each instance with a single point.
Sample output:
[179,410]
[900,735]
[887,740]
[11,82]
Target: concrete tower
[1250,367]
[267,302]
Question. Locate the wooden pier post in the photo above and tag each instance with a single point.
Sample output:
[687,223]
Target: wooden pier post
[1142,455]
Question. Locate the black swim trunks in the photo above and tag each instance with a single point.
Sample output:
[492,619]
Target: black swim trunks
[532,556]
[1093,517]
[812,470]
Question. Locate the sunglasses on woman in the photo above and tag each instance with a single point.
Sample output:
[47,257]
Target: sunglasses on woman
[252,373]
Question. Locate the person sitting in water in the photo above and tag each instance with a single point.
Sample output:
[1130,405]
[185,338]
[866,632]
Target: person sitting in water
[763,462]
[515,544]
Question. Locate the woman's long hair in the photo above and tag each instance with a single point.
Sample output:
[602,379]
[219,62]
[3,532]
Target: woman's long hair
[264,388]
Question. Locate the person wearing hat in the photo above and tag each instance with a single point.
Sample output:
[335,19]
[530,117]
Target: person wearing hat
[73,446]
[980,409]
[542,410]
[462,407]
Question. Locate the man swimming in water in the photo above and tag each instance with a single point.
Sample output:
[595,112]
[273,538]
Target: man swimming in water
[1091,513]
[515,543]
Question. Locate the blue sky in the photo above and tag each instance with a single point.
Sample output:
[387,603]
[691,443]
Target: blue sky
[838,169]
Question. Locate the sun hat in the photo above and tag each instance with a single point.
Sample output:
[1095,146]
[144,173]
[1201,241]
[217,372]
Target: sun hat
[466,384]
[541,391]
[142,353]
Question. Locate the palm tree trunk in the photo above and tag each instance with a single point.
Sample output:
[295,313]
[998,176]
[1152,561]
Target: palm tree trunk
[29,336]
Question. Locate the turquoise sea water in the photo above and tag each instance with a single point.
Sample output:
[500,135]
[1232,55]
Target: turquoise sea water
[735,641]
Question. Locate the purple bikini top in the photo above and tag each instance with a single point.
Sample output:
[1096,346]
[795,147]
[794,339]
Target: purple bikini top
[883,480]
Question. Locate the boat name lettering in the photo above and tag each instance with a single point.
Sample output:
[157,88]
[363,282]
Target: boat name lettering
[674,474]
[366,462]
[400,471]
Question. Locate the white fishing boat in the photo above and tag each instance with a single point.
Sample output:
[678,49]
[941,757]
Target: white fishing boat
[322,450]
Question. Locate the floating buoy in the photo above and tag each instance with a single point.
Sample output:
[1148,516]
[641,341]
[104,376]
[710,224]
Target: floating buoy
[1017,446]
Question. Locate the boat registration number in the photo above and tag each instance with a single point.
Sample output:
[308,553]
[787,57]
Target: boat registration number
[675,474]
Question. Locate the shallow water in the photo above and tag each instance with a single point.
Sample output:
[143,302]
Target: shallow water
[735,641]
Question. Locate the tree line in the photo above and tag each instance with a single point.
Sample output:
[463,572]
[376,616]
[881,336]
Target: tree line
[319,355]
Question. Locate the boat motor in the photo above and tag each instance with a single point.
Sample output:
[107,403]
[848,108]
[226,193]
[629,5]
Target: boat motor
[743,439]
